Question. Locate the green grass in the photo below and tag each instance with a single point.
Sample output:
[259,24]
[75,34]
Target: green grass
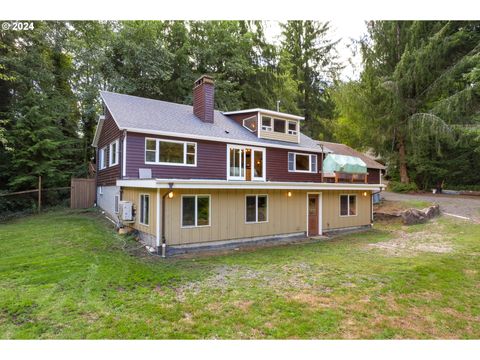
[67,275]
[417,204]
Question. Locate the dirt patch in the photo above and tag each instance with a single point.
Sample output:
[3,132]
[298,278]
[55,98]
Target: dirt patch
[312,300]
[412,243]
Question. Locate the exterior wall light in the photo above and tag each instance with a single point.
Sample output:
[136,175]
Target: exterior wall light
[364,193]
[170,194]
[289,194]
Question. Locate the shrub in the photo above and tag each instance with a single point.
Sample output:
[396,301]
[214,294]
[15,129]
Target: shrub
[396,186]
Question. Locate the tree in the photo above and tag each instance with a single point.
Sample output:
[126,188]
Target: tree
[419,79]
[310,57]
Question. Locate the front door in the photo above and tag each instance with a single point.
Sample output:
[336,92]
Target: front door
[312,215]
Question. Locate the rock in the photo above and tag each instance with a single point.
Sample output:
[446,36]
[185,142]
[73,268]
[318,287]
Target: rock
[413,216]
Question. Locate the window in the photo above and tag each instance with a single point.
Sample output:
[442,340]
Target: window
[113,153]
[144,209]
[302,162]
[348,205]
[256,208]
[250,123]
[195,210]
[102,158]
[245,163]
[266,123]
[292,127]
[170,152]
[279,125]
[115,206]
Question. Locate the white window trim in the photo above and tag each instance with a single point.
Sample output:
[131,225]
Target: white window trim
[266,128]
[116,204]
[110,152]
[250,118]
[309,163]
[348,205]
[102,158]
[292,132]
[256,209]
[157,152]
[196,196]
[140,212]
[252,163]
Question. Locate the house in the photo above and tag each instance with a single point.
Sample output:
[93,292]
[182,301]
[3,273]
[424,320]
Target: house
[195,177]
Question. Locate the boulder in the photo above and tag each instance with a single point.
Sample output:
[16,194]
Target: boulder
[413,216]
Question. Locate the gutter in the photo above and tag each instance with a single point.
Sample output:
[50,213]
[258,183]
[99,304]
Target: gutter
[164,241]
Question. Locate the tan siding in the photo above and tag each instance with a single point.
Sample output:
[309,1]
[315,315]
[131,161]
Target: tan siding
[272,135]
[331,210]
[285,215]
[133,195]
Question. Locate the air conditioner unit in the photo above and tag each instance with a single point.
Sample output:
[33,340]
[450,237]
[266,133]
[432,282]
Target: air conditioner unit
[125,211]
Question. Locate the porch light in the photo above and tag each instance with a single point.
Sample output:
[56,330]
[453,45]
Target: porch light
[170,194]
[289,194]
[364,193]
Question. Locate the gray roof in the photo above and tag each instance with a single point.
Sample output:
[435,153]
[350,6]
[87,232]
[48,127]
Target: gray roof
[144,115]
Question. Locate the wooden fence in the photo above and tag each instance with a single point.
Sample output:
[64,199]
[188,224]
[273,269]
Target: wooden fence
[82,193]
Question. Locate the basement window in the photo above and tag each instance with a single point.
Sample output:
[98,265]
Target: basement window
[195,210]
[348,205]
[144,209]
[256,210]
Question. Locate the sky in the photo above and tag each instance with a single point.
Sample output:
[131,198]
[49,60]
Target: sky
[344,29]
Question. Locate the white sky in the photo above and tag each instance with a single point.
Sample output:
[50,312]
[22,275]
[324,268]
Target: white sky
[345,30]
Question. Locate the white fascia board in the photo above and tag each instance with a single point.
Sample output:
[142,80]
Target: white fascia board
[266,112]
[98,130]
[224,140]
[225,184]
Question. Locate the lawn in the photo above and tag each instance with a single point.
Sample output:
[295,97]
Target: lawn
[67,275]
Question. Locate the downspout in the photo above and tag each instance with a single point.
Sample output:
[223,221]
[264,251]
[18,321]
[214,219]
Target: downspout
[164,241]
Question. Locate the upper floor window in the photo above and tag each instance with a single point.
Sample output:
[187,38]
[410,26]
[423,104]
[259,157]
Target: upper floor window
[266,123]
[279,125]
[292,128]
[302,162]
[113,153]
[250,123]
[102,158]
[245,163]
[170,152]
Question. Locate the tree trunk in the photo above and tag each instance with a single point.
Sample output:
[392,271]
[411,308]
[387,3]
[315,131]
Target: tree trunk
[403,161]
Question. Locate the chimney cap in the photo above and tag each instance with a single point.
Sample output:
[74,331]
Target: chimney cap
[204,79]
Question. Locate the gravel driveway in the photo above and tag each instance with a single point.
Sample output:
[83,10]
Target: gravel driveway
[466,206]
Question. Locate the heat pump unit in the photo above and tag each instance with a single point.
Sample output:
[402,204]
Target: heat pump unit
[125,211]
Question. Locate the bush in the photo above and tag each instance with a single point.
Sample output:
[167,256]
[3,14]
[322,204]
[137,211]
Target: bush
[396,186]
[462,187]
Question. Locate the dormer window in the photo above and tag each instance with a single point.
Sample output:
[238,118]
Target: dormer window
[250,123]
[292,128]
[266,123]
[279,126]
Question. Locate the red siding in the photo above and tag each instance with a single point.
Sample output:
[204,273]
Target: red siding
[277,167]
[373,176]
[110,132]
[211,159]
[240,117]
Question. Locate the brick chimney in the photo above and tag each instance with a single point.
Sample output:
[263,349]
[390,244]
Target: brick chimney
[203,95]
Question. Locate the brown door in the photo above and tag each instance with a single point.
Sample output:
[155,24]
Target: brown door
[312,215]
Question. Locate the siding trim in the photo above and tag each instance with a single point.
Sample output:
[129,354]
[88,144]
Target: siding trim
[158,217]
[124,156]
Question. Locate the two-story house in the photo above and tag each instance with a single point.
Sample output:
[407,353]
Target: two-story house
[195,176]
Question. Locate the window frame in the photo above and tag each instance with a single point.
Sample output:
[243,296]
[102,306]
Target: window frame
[310,170]
[253,149]
[285,129]
[256,209]
[141,214]
[348,205]
[266,128]
[254,117]
[117,153]
[292,132]
[157,152]
[196,196]
[102,158]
